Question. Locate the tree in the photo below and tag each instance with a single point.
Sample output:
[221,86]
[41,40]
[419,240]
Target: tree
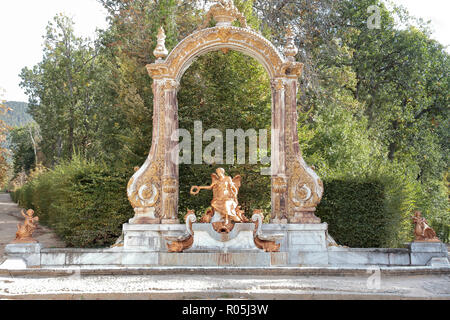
[4,128]
[62,93]
[24,146]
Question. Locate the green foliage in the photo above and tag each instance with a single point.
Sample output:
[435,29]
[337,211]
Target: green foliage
[83,202]
[23,152]
[66,94]
[225,91]
[355,212]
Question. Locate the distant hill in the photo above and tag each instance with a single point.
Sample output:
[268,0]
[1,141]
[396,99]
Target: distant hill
[18,116]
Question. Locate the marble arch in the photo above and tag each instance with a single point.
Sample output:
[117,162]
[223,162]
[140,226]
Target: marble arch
[296,189]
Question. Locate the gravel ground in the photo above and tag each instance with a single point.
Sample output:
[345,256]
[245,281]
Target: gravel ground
[219,287]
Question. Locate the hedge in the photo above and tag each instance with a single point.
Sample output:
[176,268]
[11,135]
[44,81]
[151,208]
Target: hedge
[84,203]
[358,214]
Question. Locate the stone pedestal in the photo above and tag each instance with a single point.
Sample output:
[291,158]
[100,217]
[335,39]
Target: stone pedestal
[144,216]
[28,252]
[305,216]
[306,244]
[150,237]
[240,239]
[422,252]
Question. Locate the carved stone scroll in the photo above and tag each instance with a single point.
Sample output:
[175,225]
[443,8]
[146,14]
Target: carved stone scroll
[305,189]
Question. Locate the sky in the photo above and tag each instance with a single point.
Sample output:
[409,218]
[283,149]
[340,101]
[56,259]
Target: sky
[23,22]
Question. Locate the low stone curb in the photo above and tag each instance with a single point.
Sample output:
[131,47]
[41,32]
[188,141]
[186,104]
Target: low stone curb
[276,271]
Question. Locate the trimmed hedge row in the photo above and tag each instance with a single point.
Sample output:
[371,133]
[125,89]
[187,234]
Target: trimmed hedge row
[85,204]
[357,214]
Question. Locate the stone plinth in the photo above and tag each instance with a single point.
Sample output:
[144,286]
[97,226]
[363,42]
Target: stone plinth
[144,216]
[119,257]
[29,252]
[423,252]
[306,244]
[150,237]
[240,239]
[211,259]
[343,256]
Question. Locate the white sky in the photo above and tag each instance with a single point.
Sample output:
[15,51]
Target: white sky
[23,22]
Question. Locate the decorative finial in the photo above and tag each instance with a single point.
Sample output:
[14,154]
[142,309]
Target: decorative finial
[160,51]
[290,49]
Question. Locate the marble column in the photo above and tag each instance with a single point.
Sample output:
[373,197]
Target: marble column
[279,182]
[169,213]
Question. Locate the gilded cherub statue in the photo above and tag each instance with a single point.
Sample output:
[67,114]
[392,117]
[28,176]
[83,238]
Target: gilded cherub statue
[422,231]
[224,204]
[25,231]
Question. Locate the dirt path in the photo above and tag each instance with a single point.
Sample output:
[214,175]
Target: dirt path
[9,218]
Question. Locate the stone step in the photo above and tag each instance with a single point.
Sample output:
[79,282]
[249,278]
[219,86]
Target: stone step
[341,271]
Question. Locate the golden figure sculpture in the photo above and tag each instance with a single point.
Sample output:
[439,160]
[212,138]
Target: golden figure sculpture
[422,231]
[186,241]
[268,245]
[25,231]
[224,202]
[206,218]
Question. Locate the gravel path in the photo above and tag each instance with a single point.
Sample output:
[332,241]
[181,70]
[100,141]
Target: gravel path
[220,287]
[9,218]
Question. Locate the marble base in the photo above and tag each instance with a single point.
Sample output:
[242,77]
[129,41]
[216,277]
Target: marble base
[306,244]
[29,252]
[150,237]
[439,262]
[121,257]
[301,245]
[14,264]
[144,216]
[340,256]
[240,239]
[423,252]
[305,216]
[170,221]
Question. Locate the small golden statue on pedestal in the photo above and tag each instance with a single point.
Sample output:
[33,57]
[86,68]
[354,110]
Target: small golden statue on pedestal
[423,231]
[25,231]
[225,205]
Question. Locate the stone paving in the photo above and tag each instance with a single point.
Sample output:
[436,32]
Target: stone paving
[10,216]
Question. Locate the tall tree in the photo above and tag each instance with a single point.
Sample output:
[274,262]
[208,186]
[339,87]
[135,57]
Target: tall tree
[60,90]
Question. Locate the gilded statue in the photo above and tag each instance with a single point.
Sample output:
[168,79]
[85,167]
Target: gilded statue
[422,231]
[224,204]
[25,231]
